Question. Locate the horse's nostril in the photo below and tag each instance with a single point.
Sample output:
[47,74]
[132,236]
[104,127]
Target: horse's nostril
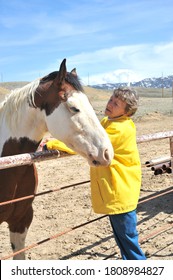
[106,154]
[96,163]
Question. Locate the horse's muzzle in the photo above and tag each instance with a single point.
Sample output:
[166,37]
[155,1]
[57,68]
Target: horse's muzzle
[103,160]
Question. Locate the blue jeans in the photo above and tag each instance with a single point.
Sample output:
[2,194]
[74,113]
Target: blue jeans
[126,235]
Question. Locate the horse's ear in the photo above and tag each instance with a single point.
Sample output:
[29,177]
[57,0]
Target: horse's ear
[73,72]
[62,72]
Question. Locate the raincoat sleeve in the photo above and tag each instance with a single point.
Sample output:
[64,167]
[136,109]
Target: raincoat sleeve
[58,145]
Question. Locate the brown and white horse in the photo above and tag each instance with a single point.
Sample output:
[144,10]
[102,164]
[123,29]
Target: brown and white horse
[55,103]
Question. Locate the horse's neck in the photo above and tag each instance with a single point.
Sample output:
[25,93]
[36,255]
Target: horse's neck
[19,120]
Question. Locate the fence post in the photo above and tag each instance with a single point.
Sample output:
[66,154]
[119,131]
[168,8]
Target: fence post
[171,151]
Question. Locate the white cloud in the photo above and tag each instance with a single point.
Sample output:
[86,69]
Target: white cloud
[117,76]
[119,64]
[127,63]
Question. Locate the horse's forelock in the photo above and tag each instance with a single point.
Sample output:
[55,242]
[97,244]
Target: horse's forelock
[74,81]
[49,77]
[70,78]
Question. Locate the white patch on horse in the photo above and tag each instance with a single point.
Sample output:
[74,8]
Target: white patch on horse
[79,128]
[17,243]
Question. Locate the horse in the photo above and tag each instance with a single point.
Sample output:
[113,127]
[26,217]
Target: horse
[56,104]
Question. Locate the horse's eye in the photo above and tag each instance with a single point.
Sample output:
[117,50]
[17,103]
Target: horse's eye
[74,109]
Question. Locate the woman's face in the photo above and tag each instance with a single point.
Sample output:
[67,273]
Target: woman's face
[115,107]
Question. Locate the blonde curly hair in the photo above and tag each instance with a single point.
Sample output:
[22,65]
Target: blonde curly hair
[130,96]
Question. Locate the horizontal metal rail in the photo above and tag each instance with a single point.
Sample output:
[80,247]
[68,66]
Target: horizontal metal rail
[154,136]
[29,158]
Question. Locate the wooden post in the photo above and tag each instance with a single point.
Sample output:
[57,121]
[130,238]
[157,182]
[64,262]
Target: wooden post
[171,151]
[162,87]
[172,93]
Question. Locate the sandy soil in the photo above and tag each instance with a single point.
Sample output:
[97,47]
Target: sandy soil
[56,212]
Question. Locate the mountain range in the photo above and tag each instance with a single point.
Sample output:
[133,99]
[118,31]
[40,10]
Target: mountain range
[161,82]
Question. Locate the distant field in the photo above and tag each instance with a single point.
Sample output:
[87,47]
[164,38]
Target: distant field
[151,100]
[12,85]
[3,90]
[145,92]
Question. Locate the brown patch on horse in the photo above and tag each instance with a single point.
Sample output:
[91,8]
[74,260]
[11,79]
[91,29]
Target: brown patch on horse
[18,182]
[22,145]
[55,88]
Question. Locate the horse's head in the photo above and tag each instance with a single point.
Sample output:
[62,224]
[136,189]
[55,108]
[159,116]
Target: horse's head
[70,116]
[55,88]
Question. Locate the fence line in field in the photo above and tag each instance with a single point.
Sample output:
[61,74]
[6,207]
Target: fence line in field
[67,230]
[30,158]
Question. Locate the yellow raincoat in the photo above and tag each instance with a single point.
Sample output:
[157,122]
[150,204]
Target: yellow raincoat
[115,189]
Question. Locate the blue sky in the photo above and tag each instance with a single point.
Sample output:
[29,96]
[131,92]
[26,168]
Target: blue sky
[106,40]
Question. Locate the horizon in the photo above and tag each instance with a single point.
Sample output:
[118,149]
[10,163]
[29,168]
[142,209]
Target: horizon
[107,41]
[112,83]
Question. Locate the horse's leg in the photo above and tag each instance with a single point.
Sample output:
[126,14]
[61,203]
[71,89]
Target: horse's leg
[22,216]
[17,243]
[18,233]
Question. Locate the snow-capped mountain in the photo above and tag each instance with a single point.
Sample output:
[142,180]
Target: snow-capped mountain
[161,82]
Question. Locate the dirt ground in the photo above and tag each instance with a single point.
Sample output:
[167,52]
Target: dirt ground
[60,211]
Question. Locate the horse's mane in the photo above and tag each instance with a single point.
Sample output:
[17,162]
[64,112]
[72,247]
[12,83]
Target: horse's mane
[18,101]
[17,96]
[11,107]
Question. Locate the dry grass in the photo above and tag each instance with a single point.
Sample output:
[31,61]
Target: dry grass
[3,90]
[12,85]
